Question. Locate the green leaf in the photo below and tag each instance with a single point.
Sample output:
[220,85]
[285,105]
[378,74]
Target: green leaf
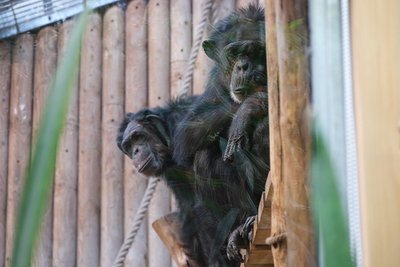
[327,207]
[39,177]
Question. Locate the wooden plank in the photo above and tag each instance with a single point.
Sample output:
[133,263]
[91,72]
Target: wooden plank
[181,42]
[260,257]
[278,222]
[294,87]
[5,86]
[203,63]
[89,145]
[44,70]
[168,229]
[245,3]
[113,113]
[376,85]
[19,130]
[66,173]
[135,99]
[159,93]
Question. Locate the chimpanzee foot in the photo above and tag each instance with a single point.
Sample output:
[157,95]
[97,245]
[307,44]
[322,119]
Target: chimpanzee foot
[240,238]
[234,245]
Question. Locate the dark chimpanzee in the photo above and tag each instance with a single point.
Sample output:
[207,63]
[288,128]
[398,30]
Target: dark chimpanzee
[237,46]
[145,137]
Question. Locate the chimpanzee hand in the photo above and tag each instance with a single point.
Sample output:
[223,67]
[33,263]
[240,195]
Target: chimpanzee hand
[238,138]
[240,238]
[253,108]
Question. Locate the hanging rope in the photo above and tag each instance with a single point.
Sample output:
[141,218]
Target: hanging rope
[153,180]
[151,187]
[187,81]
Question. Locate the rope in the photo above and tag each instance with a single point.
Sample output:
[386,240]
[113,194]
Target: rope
[153,181]
[196,46]
[151,187]
[275,239]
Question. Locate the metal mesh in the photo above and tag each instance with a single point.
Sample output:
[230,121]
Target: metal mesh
[17,16]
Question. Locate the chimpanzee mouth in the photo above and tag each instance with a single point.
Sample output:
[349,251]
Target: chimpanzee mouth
[143,167]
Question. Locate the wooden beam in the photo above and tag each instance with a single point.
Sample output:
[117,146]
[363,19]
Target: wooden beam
[159,94]
[44,70]
[136,74]
[294,118]
[278,222]
[66,173]
[88,251]
[19,130]
[376,53]
[112,201]
[5,83]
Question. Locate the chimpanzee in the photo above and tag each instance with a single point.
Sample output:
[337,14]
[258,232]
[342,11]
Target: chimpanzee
[146,137]
[236,89]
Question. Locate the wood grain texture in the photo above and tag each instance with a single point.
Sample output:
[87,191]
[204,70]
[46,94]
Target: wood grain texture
[136,90]
[376,54]
[5,84]
[159,94]
[112,114]
[294,91]
[90,145]
[66,173]
[278,221]
[19,130]
[181,43]
[44,70]
[203,63]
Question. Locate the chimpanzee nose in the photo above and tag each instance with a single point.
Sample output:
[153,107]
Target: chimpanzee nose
[242,65]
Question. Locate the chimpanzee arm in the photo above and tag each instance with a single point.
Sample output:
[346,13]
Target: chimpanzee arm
[210,115]
[254,108]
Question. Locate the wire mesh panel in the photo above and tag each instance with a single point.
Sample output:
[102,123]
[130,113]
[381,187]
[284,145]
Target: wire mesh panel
[23,15]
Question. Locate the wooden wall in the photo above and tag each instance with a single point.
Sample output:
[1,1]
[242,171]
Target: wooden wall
[131,58]
[376,64]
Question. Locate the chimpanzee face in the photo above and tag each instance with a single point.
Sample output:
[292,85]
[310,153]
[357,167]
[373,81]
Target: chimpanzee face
[147,151]
[246,68]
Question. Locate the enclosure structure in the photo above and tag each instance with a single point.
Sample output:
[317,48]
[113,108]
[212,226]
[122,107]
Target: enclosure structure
[137,57]
[131,58]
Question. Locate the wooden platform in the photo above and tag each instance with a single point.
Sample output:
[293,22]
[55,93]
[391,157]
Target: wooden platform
[259,254]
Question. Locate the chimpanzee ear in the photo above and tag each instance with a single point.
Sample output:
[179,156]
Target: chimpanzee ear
[210,47]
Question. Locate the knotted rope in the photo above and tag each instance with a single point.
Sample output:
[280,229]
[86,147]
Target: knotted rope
[275,239]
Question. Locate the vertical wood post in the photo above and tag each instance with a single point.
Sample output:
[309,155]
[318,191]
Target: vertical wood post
[66,173]
[44,69]
[135,99]
[181,42]
[203,63]
[159,93]
[278,223]
[19,131]
[112,158]
[90,145]
[5,78]
[294,87]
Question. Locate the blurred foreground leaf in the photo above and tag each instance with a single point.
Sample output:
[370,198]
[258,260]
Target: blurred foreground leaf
[39,177]
[327,207]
